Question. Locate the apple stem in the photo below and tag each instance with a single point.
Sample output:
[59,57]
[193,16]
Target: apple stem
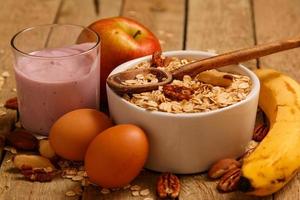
[137,33]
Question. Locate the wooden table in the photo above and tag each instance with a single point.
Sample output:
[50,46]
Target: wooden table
[214,25]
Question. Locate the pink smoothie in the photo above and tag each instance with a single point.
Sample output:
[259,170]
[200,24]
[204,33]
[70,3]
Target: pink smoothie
[50,87]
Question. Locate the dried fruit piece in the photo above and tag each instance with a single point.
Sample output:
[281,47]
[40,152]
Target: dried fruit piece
[260,132]
[22,140]
[229,181]
[215,77]
[221,167]
[23,161]
[177,93]
[38,174]
[168,186]
[12,103]
[45,149]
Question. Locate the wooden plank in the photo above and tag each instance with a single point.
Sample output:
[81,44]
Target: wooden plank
[155,15]
[13,18]
[13,185]
[146,180]
[274,20]
[220,25]
[16,15]
[165,18]
[84,12]
[277,19]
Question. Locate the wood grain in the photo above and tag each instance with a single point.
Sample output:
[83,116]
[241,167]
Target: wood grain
[155,15]
[16,15]
[220,25]
[147,180]
[83,12]
[277,19]
[165,18]
[13,185]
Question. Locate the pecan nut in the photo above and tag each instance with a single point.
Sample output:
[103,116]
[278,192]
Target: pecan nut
[221,167]
[159,61]
[12,103]
[168,186]
[38,174]
[177,93]
[229,182]
[22,140]
[260,132]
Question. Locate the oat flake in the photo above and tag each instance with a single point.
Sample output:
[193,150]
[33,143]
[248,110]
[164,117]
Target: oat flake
[135,193]
[135,188]
[70,193]
[105,191]
[206,97]
[145,192]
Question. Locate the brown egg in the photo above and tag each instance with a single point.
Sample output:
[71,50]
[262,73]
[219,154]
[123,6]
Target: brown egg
[116,156]
[71,134]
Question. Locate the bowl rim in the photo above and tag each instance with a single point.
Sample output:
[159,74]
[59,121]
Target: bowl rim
[253,93]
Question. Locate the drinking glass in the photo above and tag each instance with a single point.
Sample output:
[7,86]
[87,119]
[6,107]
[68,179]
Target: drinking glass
[57,70]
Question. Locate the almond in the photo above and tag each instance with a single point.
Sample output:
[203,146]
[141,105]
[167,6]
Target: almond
[12,103]
[45,149]
[24,161]
[22,140]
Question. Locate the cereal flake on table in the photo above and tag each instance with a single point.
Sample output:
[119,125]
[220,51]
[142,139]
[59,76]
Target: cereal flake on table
[205,96]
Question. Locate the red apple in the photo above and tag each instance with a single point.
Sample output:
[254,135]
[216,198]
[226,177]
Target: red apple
[122,39]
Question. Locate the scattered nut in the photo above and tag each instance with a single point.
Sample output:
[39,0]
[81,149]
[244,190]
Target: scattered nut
[168,186]
[23,161]
[12,103]
[22,140]
[221,167]
[45,149]
[38,174]
[229,181]
[260,132]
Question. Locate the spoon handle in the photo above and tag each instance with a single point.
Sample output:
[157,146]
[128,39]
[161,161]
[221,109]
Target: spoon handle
[235,57]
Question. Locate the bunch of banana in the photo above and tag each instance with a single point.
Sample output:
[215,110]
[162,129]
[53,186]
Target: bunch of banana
[277,158]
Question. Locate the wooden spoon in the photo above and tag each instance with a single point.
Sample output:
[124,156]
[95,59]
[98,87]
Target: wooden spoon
[194,68]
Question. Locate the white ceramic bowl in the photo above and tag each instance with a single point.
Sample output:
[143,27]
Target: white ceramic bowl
[190,142]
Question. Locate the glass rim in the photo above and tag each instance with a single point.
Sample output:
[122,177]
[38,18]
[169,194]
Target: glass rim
[54,57]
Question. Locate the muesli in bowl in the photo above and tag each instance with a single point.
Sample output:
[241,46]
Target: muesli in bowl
[209,90]
[190,124]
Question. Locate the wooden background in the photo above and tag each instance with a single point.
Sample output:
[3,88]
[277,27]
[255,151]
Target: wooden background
[213,25]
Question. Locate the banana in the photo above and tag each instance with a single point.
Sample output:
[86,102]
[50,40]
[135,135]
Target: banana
[277,158]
